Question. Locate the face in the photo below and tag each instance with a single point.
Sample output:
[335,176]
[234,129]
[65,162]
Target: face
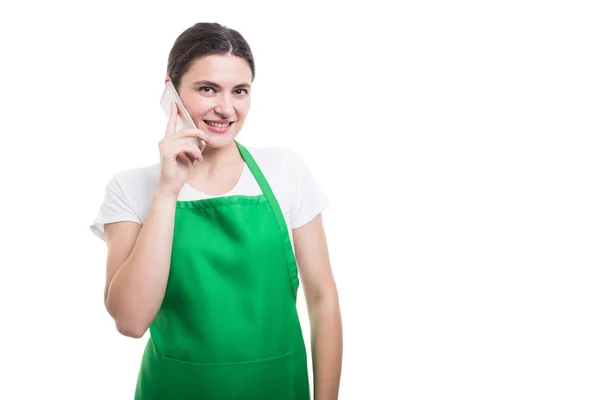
[216,92]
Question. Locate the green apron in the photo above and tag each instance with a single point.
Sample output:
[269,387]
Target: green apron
[228,327]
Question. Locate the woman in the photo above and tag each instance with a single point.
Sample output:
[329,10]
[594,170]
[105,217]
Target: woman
[207,255]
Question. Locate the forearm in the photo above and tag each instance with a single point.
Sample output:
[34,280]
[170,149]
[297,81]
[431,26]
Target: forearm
[137,289]
[326,343]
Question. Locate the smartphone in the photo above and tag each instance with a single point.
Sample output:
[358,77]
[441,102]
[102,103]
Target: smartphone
[184,120]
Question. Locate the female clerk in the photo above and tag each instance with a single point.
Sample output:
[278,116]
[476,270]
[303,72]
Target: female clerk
[209,255]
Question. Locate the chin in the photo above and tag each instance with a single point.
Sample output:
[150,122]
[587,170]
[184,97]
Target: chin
[221,142]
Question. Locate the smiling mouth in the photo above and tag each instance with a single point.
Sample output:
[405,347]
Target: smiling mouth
[218,124]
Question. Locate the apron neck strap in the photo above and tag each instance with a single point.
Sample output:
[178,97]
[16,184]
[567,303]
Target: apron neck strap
[268,193]
[258,175]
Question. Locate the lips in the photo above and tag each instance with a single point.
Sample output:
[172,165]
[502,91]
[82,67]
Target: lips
[221,126]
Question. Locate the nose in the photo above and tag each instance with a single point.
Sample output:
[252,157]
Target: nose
[224,106]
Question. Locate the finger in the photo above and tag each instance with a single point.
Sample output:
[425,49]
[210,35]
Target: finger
[200,143]
[183,148]
[178,142]
[191,133]
[172,124]
[193,153]
[195,142]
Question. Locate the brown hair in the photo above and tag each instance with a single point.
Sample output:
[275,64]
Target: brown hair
[203,39]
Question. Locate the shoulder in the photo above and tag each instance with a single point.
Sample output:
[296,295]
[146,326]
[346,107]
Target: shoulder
[138,176]
[291,179]
[126,197]
[134,187]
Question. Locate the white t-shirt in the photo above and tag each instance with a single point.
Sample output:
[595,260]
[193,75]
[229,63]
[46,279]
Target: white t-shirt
[129,194]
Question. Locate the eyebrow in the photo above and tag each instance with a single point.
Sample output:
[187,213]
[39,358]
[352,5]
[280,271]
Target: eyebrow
[216,85]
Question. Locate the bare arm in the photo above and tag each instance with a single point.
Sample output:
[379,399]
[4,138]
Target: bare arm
[323,308]
[138,266]
[139,258]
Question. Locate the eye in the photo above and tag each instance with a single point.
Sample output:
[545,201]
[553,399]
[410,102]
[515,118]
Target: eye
[206,89]
[241,92]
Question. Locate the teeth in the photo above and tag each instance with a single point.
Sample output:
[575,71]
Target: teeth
[217,125]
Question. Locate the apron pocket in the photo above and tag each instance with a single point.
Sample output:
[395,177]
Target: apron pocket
[262,380]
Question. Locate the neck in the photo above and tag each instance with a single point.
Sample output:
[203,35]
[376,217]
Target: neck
[214,158]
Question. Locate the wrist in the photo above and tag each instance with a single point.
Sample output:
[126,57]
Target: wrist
[163,194]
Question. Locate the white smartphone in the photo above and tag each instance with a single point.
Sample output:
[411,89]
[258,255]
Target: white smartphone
[184,120]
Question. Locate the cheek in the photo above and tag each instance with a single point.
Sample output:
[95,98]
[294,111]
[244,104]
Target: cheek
[199,106]
[243,107]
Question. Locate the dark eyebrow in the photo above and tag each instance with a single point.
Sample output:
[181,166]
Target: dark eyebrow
[217,86]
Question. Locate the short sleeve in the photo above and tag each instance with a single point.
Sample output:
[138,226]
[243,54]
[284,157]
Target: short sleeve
[308,200]
[115,208]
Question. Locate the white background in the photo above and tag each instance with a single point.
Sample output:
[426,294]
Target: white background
[457,141]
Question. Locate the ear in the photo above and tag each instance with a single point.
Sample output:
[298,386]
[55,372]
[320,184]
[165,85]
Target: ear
[167,78]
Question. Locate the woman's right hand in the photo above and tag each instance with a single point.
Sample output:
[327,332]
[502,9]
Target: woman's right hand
[176,150]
